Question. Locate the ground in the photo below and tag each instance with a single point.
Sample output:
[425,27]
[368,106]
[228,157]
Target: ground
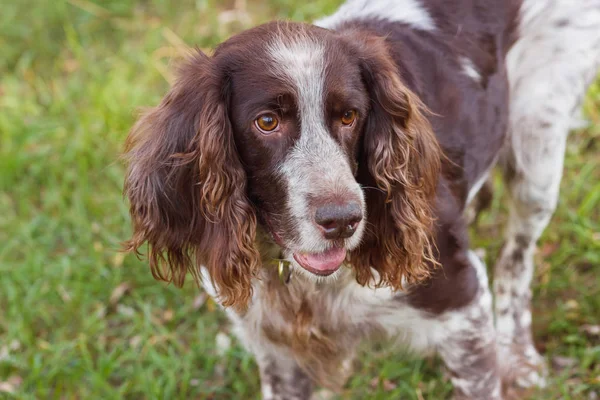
[80,320]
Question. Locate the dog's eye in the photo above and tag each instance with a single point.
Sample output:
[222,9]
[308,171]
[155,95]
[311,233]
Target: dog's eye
[267,123]
[348,117]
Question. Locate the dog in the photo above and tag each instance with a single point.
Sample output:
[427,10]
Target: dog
[314,178]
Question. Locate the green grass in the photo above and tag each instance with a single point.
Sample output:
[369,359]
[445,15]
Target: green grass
[72,75]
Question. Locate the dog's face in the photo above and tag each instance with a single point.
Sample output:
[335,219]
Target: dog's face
[298,107]
[306,133]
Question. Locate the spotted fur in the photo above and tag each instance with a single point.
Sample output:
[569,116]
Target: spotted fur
[442,92]
[550,68]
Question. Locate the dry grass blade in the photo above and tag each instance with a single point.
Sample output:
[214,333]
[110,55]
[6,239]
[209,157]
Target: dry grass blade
[118,293]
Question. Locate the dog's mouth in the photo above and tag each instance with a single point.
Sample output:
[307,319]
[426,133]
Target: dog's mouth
[323,264]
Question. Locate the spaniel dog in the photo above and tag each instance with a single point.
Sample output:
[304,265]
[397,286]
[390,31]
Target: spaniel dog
[314,178]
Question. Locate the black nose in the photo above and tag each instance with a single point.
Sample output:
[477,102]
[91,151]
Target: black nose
[338,221]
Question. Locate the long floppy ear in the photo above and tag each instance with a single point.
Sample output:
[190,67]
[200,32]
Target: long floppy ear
[398,167]
[187,188]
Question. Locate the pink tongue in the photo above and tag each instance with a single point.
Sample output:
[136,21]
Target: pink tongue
[330,260]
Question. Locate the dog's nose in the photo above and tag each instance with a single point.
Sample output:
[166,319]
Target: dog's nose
[338,221]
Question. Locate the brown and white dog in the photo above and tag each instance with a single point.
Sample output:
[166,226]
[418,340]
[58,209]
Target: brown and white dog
[350,149]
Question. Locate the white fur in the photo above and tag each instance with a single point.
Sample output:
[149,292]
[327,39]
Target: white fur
[267,391]
[476,187]
[411,12]
[316,164]
[461,336]
[469,69]
[549,68]
[474,325]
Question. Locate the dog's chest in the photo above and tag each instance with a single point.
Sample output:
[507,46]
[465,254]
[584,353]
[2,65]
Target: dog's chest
[343,313]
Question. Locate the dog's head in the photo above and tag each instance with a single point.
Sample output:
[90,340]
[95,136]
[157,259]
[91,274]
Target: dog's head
[307,134]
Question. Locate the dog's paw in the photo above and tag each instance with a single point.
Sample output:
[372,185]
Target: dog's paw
[525,371]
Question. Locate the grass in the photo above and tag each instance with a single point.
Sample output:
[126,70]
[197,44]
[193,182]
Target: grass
[78,320]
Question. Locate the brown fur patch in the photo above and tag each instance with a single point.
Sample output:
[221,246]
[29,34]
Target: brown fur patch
[297,322]
[401,157]
[187,187]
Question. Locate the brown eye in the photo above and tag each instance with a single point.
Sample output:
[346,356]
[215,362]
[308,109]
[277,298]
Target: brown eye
[348,117]
[267,123]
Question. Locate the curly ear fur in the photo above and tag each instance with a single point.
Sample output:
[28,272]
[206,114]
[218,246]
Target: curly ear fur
[187,188]
[400,157]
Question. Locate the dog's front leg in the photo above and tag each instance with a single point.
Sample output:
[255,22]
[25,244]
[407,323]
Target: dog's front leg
[281,378]
[280,375]
[466,341]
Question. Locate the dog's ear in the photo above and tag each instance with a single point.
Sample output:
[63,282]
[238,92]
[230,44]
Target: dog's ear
[187,187]
[400,157]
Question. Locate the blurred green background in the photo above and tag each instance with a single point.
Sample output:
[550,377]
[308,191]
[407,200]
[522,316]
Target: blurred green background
[79,320]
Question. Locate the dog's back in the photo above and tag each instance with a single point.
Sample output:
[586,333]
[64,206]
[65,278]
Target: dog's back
[452,54]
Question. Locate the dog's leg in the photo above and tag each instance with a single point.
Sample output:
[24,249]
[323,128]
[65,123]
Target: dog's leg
[466,341]
[549,69]
[281,378]
[533,189]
